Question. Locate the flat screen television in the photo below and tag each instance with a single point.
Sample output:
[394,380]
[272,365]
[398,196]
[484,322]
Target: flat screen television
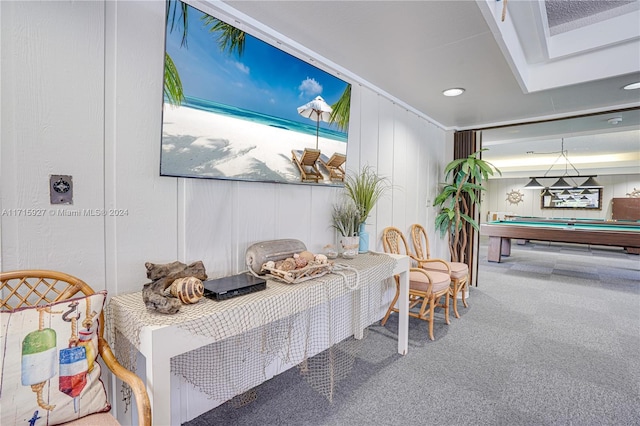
[238,108]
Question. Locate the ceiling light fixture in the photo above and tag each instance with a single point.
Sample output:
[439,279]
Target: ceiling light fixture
[534,184]
[561,182]
[591,183]
[632,86]
[457,91]
[615,120]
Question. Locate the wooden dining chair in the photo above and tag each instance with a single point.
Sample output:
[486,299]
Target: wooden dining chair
[458,271]
[40,310]
[426,288]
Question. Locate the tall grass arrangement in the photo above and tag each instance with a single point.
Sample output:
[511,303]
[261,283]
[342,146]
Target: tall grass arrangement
[365,189]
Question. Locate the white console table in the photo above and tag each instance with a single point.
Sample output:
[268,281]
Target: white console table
[159,338]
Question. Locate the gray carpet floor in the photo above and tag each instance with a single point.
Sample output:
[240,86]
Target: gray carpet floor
[551,337]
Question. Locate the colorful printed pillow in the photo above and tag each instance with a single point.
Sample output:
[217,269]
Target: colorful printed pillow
[48,370]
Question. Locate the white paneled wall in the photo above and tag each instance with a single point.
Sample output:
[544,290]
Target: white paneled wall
[134,77]
[52,122]
[495,198]
[81,94]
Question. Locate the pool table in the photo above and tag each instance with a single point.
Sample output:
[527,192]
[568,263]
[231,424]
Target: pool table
[500,233]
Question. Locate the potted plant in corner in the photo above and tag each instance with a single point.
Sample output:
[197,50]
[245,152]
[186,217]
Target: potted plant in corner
[365,189]
[345,219]
[461,191]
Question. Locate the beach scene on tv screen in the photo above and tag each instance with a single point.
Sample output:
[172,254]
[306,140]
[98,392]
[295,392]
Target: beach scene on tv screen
[238,108]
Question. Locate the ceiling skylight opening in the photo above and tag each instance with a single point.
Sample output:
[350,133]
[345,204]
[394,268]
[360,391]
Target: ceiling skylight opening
[453,92]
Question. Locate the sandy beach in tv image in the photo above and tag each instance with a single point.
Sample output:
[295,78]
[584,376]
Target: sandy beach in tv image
[198,143]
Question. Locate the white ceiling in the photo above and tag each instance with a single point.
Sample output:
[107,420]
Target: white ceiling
[413,50]
[545,60]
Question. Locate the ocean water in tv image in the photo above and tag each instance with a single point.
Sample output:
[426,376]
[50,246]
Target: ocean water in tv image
[267,120]
[247,112]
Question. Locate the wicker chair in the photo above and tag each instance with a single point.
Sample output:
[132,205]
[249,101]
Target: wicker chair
[426,288]
[459,271]
[19,289]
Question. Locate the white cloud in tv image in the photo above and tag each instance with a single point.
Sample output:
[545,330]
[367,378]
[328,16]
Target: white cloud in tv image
[238,108]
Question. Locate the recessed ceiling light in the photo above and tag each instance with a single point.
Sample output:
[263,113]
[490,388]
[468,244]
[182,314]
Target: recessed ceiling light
[453,92]
[632,86]
[615,120]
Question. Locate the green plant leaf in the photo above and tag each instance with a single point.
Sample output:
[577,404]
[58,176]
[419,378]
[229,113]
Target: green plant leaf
[452,166]
[230,38]
[341,110]
[172,84]
[365,189]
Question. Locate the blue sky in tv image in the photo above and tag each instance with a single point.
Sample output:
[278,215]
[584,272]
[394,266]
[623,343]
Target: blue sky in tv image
[263,84]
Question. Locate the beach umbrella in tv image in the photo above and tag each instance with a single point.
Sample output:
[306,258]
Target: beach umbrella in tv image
[316,110]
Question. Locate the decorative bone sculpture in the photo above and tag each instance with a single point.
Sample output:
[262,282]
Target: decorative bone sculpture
[163,275]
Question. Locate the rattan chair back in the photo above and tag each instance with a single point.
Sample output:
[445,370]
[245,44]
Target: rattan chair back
[394,242]
[420,241]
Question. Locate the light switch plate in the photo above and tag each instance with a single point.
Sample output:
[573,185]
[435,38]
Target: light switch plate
[61,189]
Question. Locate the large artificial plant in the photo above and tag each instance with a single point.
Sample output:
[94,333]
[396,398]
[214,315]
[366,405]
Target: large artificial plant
[461,191]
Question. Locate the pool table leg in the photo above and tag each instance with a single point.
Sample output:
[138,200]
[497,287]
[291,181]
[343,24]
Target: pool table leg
[498,247]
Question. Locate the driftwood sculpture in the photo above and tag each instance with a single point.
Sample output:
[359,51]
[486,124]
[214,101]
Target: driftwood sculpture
[163,275]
